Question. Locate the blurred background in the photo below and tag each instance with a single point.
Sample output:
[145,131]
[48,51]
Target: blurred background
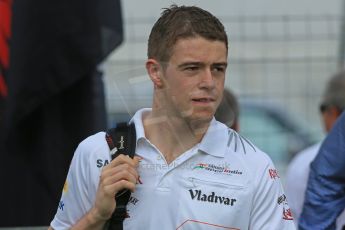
[281,54]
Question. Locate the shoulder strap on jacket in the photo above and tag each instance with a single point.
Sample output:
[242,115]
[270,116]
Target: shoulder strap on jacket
[121,140]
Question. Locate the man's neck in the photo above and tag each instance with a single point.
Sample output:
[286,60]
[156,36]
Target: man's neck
[172,135]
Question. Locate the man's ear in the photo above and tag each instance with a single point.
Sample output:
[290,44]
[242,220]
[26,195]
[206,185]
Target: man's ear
[155,71]
[334,112]
[330,116]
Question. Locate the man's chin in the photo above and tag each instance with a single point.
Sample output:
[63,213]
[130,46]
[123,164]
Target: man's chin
[204,117]
[201,115]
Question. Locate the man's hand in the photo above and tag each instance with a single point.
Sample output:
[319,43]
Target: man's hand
[121,173]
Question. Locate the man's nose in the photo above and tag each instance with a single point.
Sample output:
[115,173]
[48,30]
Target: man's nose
[207,79]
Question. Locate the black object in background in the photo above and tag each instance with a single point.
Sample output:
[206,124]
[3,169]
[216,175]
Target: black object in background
[55,99]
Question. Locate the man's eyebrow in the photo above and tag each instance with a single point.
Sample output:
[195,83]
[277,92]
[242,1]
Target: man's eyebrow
[220,64]
[201,64]
[185,64]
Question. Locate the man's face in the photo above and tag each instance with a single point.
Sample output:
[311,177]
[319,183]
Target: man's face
[329,116]
[194,78]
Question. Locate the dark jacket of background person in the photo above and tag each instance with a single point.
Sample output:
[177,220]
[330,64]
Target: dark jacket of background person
[331,106]
[325,195]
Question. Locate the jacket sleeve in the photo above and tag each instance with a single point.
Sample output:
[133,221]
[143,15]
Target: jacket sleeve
[74,202]
[325,194]
[270,204]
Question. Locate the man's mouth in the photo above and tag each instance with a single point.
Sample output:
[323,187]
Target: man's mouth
[204,100]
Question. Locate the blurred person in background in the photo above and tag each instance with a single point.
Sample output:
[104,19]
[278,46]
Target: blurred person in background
[332,104]
[325,194]
[228,110]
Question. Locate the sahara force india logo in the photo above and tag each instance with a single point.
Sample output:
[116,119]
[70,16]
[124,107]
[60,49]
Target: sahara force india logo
[217,169]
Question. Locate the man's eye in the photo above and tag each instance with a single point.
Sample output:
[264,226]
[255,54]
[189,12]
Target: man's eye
[191,68]
[218,69]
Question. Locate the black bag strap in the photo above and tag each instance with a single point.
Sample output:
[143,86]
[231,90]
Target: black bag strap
[121,140]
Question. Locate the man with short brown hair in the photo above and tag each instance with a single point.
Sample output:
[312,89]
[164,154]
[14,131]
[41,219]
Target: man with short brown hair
[195,173]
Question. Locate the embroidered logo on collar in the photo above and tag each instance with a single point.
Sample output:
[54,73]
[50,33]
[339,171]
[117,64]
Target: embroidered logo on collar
[217,169]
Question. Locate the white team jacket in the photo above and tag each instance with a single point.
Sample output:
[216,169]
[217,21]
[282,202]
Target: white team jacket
[224,182]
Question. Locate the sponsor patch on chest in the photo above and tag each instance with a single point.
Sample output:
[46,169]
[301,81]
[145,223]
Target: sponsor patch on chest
[224,169]
[211,197]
